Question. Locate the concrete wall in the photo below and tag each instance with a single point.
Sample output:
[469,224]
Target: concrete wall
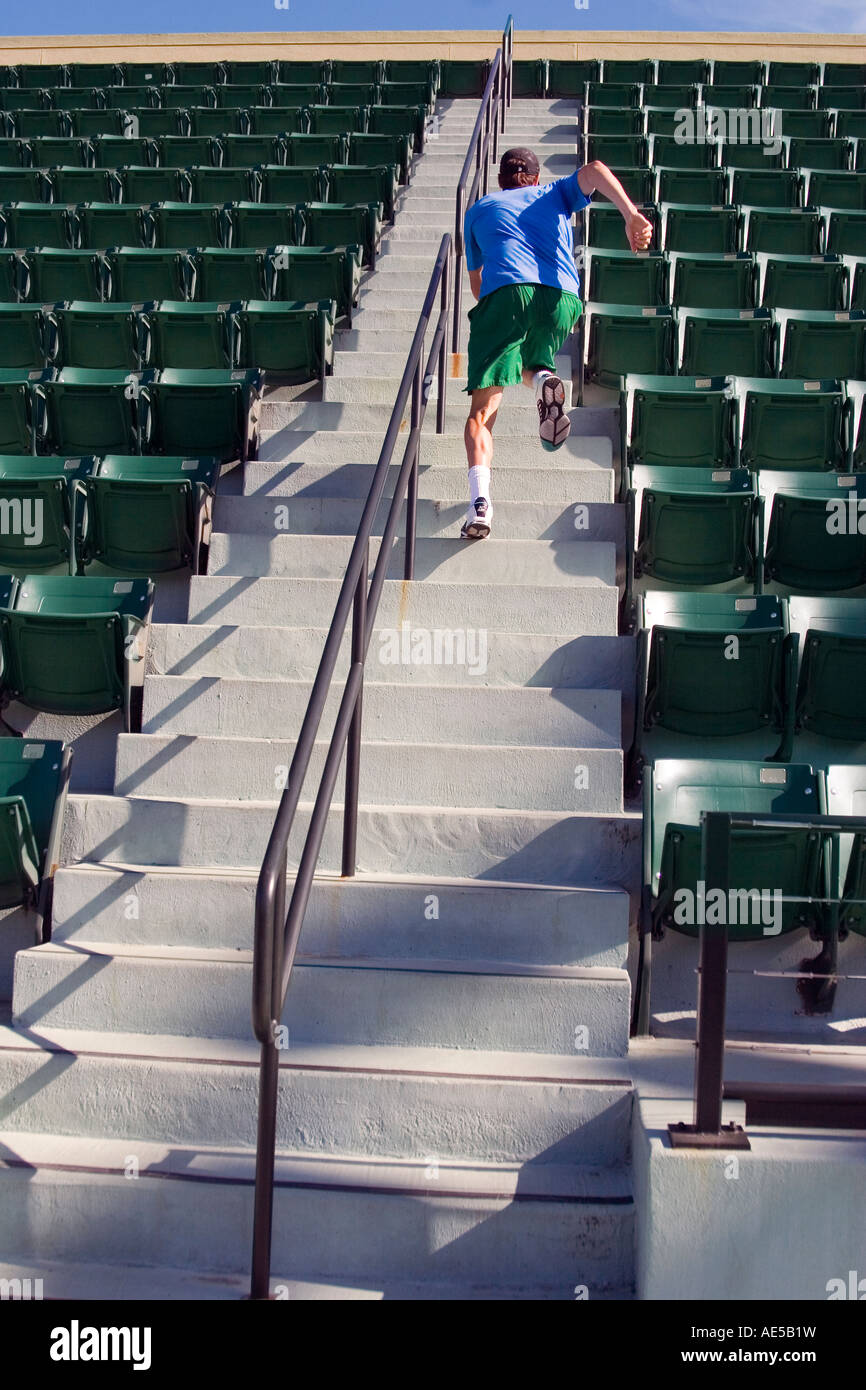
[568,43]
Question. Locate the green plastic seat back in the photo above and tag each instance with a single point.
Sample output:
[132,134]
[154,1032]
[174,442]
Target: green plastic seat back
[197,413]
[342,224]
[350,95]
[21,337]
[307,273]
[370,148]
[621,277]
[783,231]
[336,120]
[829,344]
[114,224]
[90,412]
[606,120]
[356,183]
[309,150]
[178,151]
[357,70]
[680,421]
[291,339]
[412,70]
[846,233]
[188,224]
[151,122]
[569,78]
[96,335]
[741,155]
[692,185]
[140,526]
[37,224]
[620,151]
[613,94]
[463,78]
[726,281]
[694,527]
[138,274]
[833,666]
[83,185]
[623,338]
[805,282]
[851,124]
[791,424]
[114,151]
[276,120]
[295,70]
[146,185]
[667,150]
[693,228]
[236,95]
[194,71]
[65,150]
[846,189]
[787,96]
[724,342]
[770,188]
[263,224]
[249,70]
[226,275]
[184,95]
[671,94]
[20,185]
[11,269]
[32,791]
[727,70]
[16,435]
[730,95]
[293,184]
[189,334]
[808,153]
[814,543]
[34,511]
[243,151]
[809,125]
[31,124]
[398,120]
[221,185]
[209,122]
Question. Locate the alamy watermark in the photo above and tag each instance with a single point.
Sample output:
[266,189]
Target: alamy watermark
[711,125]
[738,907]
[23,518]
[439,646]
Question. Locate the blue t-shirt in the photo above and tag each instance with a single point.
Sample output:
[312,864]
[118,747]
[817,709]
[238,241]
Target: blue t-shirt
[523,236]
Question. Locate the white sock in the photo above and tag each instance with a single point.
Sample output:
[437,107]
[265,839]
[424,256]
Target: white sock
[479,482]
[539,378]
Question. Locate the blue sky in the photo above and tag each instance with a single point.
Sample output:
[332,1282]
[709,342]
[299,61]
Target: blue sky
[202,16]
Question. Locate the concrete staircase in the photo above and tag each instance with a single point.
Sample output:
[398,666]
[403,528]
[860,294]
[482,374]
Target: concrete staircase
[455,1114]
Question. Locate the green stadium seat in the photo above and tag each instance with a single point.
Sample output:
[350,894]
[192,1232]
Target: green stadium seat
[136,274]
[56,274]
[783,97]
[629,70]
[35,494]
[299,94]
[291,340]
[613,94]
[683,70]
[353,94]
[308,274]
[727,342]
[357,183]
[569,78]
[342,224]
[16,415]
[229,274]
[357,70]
[180,151]
[81,334]
[623,338]
[114,151]
[820,154]
[743,155]
[94,74]
[730,96]
[750,70]
[660,120]
[638,181]
[822,342]
[188,224]
[148,515]
[184,96]
[792,425]
[692,227]
[244,151]
[463,78]
[223,185]
[85,185]
[414,70]
[15,99]
[34,777]
[529,77]
[143,185]
[793,73]
[313,70]
[66,150]
[782,231]
[211,123]
[850,125]
[202,413]
[837,189]
[846,231]
[309,150]
[150,122]
[606,120]
[844,74]
[832,668]
[249,70]
[263,224]
[398,120]
[101,225]
[74,645]
[336,120]
[15,154]
[841,98]
[22,185]
[373,149]
[37,224]
[277,120]
[858,288]
[136,97]
[187,335]
[22,341]
[804,282]
[811,125]
[604,228]
[813,542]
[240,95]
[671,96]
[292,184]
[621,277]
[43,75]
[84,410]
[769,188]
[151,73]
[702,281]
[14,278]
[618,151]
[679,421]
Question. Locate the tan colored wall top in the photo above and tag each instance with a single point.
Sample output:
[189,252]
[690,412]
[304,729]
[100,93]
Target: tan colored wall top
[568,43]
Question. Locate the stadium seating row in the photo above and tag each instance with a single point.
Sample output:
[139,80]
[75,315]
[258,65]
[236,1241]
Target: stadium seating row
[738,280]
[670,152]
[781,231]
[316,98]
[820,123]
[777,188]
[450,77]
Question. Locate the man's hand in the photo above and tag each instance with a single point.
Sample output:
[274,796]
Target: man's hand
[638,231]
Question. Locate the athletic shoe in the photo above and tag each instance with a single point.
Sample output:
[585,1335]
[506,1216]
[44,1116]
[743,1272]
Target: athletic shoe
[554,425]
[478,519]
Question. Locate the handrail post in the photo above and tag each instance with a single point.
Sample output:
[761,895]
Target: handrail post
[412,490]
[443,350]
[353,742]
[458,265]
[269,1080]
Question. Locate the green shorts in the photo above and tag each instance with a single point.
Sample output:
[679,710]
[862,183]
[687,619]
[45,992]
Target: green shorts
[515,327]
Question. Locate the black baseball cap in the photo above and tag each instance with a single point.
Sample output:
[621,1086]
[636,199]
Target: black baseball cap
[518,161]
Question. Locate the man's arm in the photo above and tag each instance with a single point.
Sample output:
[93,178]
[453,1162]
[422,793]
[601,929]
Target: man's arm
[595,177]
[475,282]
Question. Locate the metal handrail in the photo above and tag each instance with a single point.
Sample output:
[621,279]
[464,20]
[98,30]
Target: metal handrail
[488,123]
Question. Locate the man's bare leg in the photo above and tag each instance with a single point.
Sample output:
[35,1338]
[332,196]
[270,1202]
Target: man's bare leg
[478,438]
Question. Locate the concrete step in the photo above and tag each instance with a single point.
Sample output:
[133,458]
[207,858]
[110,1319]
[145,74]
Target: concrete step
[354,417]
[590,610]
[441,486]
[269,653]
[446,559]
[526,847]
[376,1102]
[391,365]
[346,1221]
[584,778]
[365,916]
[351,388]
[206,993]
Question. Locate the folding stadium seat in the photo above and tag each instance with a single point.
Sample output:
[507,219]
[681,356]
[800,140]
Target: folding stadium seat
[12,278]
[788,98]
[846,232]
[381,149]
[569,79]
[85,99]
[94,74]
[823,342]
[16,415]
[277,120]
[463,78]
[249,70]
[623,338]
[529,77]
[730,96]
[398,120]
[628,70]
[613,94]
[291,340]
[809,125]
[683,70]
[792,425]
[850,125]
[352,94]
[844,74]
[679,421]
[727,342]
[29,125]
[313,70]
[81,334]
[153,74]
[357,183]
[57,274]
[38,488]
[832,668]
[801,551]
[203,413]
[671,96]
[858,288]
[188,224]
[768,188]
[114,151]
[15,154]
[182,96]
[292,184]
[405,94]
[336,120]
[124,98]
[841,98]
[309,150]
[606,120]
[782,231]
[22,342]
[413,70]
[672,154]
[691,227]
[846,189]
[621,277]
[605,229]
[244,151]
[713,668]
[114,224]
[87,411]
[14,99]
[262,224]
[148,515]
[190,72]
[793,73]
[22,185]
[74,645]
[619,151]
[44,75]
[147,122]
[86,185]
[299,94]
[37,224]
[34,778]
[804,282]
[142,185]
[226,275]
[180,151]
[342,224]
[820,154]
[65,150]
[223,185]
[638,181]
[181,334]
[728,281]
[309,274]
[207,123]
[240,95]
[659,120]
[749,70]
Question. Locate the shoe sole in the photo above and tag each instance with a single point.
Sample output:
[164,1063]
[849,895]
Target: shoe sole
[475,531]
[554,426]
